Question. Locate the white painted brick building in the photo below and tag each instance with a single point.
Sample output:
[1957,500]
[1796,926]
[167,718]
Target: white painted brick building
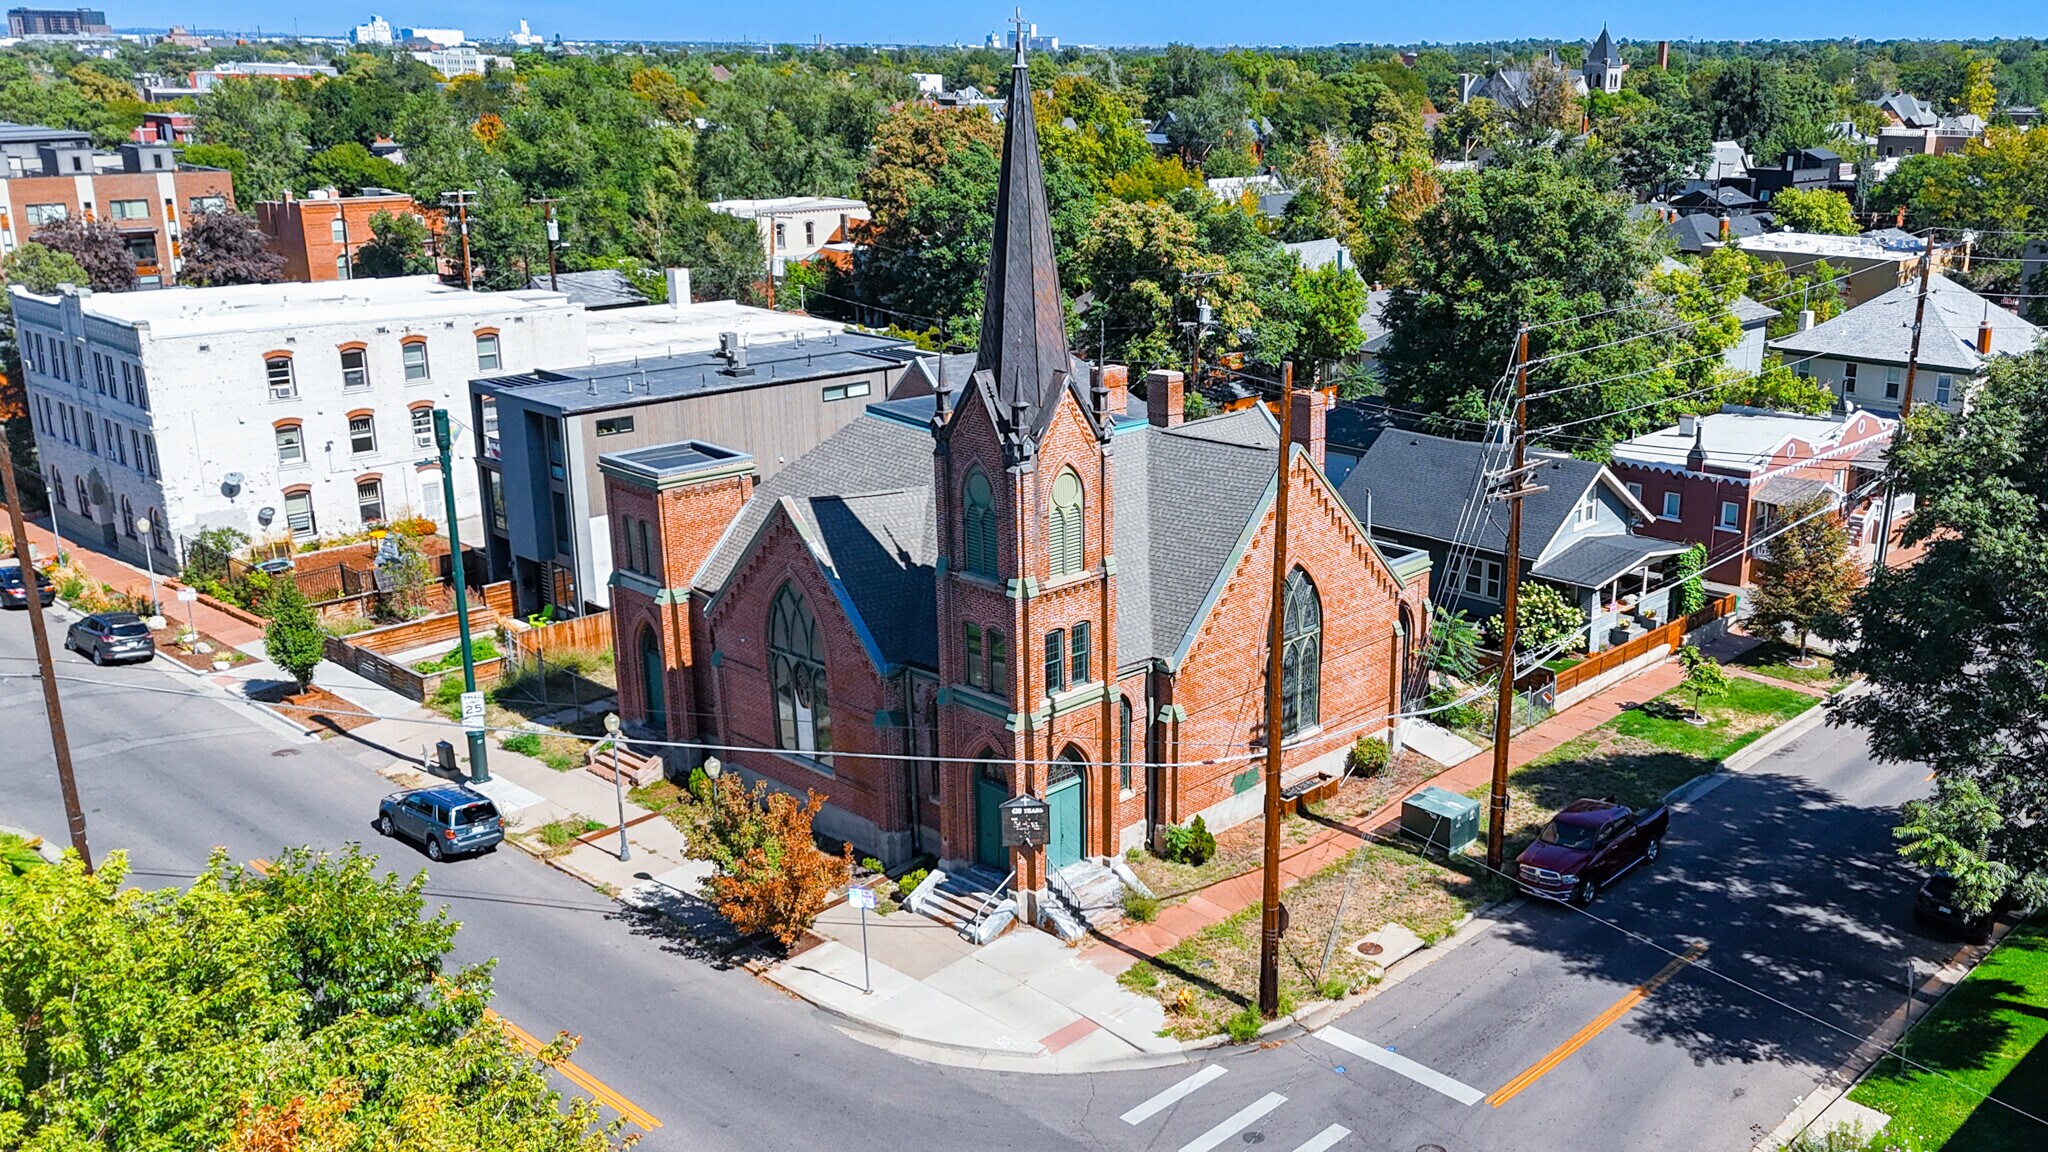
[276,408]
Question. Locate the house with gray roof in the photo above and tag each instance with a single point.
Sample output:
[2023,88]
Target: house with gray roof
[1578,534]
[1862,354]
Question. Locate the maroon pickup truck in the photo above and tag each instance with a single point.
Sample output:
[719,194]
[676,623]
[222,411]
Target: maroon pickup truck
[1588,846]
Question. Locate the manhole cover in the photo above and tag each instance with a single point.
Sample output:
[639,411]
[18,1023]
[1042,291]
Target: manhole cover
[1367,948]
[1429,1148]
[282,752]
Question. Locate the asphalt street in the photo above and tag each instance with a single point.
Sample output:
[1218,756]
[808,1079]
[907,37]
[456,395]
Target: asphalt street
[1612,1029]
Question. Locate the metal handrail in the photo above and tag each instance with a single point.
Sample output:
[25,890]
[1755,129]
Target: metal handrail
[989,900]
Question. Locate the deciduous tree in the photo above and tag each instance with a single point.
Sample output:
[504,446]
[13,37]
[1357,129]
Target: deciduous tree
[1815,210]
[1806,573]
[397,247]
[1954,644]
[96,246]
[771,876]
[223,248]
[1704,676]
[293,639]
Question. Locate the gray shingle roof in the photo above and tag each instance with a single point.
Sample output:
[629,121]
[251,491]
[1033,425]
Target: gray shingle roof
[1693,233]
[1597,559]
[1420,485]
[1881,331]
[1785,491]
[1184,497]
[1750,312]
[599,288]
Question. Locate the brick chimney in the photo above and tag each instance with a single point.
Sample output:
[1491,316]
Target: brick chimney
[668,505]
[1901,220]
[1308,421]
[1984,337]
[1663,55]
[1163,397]
[1117,380]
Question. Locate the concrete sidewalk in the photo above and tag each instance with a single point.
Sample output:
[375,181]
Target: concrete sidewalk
[125,577]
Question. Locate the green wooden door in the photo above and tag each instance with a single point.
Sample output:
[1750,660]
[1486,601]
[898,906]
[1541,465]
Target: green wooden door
[988,836]
[1064,801]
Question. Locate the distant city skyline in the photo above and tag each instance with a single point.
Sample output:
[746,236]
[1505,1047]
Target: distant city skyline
[1137,22]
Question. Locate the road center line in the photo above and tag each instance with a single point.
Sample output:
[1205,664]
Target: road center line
[1325,1140]
[1401,1065]
[598,1089]
[1579,1039]
[1242,1119]
[1173,1095]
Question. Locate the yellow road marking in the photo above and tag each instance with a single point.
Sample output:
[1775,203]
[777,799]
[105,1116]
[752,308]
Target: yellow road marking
[600,1091]
[1600,1023]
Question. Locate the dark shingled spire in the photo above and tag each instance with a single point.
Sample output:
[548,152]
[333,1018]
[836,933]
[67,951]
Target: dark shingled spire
[1023,328]
[1603,50]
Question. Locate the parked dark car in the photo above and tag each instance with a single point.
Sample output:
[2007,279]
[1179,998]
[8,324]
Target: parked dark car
[1587,847]
[1935,904]
[14,591]
[448,819]
[111,636]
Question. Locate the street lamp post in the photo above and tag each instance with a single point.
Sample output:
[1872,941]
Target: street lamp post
[611,729]
[146,531]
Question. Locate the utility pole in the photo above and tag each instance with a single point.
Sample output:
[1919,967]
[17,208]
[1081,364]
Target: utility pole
[1884,527]
[460,197]
[1273,918]
[547,204]
[1516,489]
[479,762]
[774,222]
[60,744]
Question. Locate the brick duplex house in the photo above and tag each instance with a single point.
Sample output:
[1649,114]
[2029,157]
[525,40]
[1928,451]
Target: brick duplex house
[1022,583]
[1720,479]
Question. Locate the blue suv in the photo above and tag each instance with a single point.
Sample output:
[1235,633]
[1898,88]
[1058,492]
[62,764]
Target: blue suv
[449,819]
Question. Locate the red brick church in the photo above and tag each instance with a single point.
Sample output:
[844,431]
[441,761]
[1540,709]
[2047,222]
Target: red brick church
[1024,582]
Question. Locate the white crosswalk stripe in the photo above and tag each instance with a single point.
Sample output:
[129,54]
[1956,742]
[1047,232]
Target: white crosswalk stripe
[1325,1140]
[1242,1119]
[1173,1095]
[1401,1065]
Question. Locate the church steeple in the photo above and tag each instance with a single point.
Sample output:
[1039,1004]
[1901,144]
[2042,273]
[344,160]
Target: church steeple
[1023,342]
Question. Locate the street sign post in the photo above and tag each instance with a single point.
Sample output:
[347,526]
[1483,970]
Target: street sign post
[1025,821]
[473,711]
[863,899]
[189,596]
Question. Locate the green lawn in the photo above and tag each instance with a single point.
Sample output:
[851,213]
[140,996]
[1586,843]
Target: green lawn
[1738,716]
[1774,658]
[1991,1035]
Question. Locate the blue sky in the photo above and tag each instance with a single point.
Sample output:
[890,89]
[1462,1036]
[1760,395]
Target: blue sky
[1129,21]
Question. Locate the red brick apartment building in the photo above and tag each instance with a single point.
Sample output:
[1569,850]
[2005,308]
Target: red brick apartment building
[1026,584]
[319,234]
[52,173]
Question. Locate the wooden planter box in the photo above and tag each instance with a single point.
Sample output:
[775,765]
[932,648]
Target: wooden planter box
[637,770]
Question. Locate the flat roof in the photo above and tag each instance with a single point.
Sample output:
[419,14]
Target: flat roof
[1741,438]
[651,380]
[186,311]
[660,330]
[1868,247]
[671,462]
[787,204]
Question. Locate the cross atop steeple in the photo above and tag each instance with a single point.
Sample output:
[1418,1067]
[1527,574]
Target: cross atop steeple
[1017,22]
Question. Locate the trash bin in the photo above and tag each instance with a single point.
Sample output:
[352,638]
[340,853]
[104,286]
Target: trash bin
[1441,819]
[444,756]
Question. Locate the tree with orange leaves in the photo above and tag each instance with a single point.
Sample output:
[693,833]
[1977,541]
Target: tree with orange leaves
[771,876]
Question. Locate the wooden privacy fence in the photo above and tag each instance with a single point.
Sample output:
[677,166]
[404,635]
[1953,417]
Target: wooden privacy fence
[377,654]
[529,646]
[1669,637]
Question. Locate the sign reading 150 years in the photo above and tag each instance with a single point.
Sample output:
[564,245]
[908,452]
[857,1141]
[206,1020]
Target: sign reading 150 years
[1025,820]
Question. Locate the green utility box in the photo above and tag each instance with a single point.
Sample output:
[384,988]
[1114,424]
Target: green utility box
[1441,819]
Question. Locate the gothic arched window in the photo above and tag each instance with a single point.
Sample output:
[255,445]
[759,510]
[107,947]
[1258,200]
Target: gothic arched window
[796,668]
[1301,656]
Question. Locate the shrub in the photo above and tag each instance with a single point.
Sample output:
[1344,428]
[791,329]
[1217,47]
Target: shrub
[1369,756]
[1190,843]
[525,743]
[771,877]
[699,785]
[870,864]
[1543,617]
[1334,988]
[1140,907]
[908,882]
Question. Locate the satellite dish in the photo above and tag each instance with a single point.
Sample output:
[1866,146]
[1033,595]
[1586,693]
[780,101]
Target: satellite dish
[97,485]
[265,515]
[231,485]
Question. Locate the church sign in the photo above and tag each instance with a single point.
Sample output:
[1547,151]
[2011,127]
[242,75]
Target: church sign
[1025,821]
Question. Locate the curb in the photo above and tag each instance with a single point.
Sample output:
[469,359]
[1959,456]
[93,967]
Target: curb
[1770,742]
